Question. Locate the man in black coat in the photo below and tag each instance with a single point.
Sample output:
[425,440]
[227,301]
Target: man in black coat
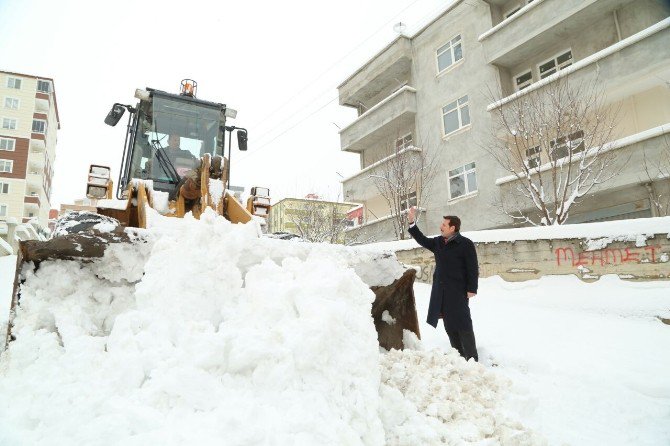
[454,281]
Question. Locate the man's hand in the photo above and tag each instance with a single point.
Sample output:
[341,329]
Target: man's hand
[471,295]
[411,215]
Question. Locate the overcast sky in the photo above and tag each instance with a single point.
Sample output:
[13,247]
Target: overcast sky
[277,63]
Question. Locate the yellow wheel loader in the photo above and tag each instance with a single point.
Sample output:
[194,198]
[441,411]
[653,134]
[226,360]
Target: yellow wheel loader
[174,162]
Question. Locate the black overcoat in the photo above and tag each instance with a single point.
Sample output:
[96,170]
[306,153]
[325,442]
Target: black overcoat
[456,274]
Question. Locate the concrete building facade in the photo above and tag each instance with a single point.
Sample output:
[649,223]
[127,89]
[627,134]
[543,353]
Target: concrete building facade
[29,123]
[435,93]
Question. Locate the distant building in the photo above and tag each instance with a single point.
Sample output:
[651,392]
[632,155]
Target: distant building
[28,125]
[431,92]
[286,214]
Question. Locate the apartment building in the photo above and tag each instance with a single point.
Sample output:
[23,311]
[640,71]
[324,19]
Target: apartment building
[434,93]
[288,213]
[28,126]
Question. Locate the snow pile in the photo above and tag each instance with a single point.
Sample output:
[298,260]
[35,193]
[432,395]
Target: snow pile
[456,400]
[209,333]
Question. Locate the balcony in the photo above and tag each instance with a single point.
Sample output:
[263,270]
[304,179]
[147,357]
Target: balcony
[360,187]
[633,65]
[377,230]
[539,25]
[42,102]
[378,77]
[381,123]
[36,161]
[31,201]
[34,179]
[38,145]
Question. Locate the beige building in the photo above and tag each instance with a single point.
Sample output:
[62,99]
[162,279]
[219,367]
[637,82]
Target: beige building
[287,214]
[28,126]
[434,92]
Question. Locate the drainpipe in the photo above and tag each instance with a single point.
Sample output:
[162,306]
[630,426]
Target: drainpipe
[616,25]
[652,199]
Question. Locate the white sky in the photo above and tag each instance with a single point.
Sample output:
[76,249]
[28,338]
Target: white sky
[277,63]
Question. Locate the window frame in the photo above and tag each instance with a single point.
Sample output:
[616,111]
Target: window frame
[459,114]
[519,5]
[556,65]
[4,184]
[11,165]
[451,50]
[464,174]
[13,140]
[523,73]
[46,82]
[44,132]
[6,213]
[13,87]
[16,123]
[18,103]
[408,200]
[535,155]
[554,145]
[404,144]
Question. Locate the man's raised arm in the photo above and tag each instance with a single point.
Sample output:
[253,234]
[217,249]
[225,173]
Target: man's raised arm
[414,231]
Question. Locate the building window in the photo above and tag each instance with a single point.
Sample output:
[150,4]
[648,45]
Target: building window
[449,54]
[555,64]
[3,210]
[407,201]
[533,157]
[39,126]
[456,115]
[523,80]
[7,144]
[14,82]
[6,166]
[12,103]
[566,145]
[462,181]
[31,214]
[9,124]
[404,142]
[4,188]
[44,86]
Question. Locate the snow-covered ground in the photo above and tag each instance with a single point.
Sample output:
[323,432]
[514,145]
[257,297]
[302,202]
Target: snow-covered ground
[247,340]
[589,363]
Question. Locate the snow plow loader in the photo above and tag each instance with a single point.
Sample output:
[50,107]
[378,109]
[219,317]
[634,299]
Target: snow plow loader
[174,163]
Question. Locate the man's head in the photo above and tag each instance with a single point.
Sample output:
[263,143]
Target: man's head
[173,141]
[450,225]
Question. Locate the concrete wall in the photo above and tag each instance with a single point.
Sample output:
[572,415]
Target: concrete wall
[531,259]
[473,77]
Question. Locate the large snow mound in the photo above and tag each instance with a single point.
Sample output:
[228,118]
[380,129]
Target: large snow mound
[210,334]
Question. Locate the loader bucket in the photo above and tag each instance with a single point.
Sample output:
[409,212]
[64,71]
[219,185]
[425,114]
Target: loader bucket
[398,300]
[81,246]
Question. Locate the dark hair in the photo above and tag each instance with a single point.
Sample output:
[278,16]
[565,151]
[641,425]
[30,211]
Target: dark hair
[454,221]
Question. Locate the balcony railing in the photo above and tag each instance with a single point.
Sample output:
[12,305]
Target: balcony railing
[538,25]
[378,124]
[31,200]
[625,66]
[360,186]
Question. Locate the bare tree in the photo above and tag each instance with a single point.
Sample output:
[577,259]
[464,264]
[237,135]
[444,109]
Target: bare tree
[556,144]
[657,173]
[403,180]
[319,221]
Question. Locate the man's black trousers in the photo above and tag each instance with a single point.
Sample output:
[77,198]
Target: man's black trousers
[464,342]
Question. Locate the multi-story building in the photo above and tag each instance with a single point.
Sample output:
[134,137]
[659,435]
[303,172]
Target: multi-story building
[435,93]
[288,213]
[28,125]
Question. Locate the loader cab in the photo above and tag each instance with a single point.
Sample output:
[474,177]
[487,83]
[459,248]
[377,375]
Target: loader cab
[167,136]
